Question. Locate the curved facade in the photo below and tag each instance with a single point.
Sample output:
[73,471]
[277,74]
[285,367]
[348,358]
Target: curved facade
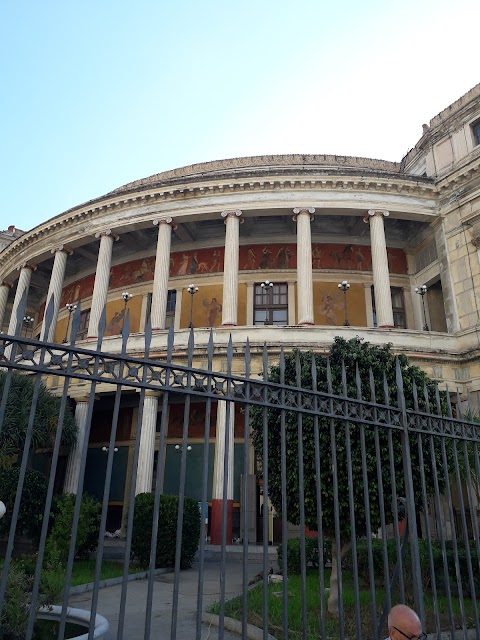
[303,224]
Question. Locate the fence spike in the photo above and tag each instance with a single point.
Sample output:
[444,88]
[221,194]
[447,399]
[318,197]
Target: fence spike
[148,335]
[386,392]
[102,323]
[191,347]
[22,306]
[298,369]
[210,351]
[329,377]
[437,400]
[247,358]
[470,407]
[459,406]
[449,402]
[125,332]
[48,317]
[415,395]
[229,356]
[358,382]
[314,373]
[76,322]
[170,343]
[373,394]
[344,380]
[265,362]
[426,397]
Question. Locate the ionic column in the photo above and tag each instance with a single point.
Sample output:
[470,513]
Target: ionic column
[381,275]
[147,443]
[218,476]
[72,473]
[55,289]
[162,272]
[22,286]
[4,289]
[303,218]
[230,268]
[102,278]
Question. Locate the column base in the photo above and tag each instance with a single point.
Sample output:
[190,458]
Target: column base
[216,522]
[306,324]
[386,326]
[229,324]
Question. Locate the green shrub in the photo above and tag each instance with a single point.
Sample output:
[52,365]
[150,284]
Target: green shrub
[61,521]
[32,504]
[167,530]
[294,554]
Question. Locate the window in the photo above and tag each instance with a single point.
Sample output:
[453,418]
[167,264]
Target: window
[171,304]
[398,308]
[83,327]
[271,304]
[476,132]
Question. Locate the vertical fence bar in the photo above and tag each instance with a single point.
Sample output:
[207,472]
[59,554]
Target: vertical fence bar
[351,505]
[132,492]
[301,497]
[265,493]
[283,464]
[246,501]
[108,478]
[206,447]
[181,491]
[470,480]
[428,532]
[158,485]
[337,545]
[226,460]
[366,499]
[318,490]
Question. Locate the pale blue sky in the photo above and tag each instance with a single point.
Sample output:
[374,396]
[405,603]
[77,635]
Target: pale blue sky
[96,93]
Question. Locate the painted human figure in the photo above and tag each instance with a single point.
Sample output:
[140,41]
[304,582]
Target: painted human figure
[213,309]
[182,269]
[251,259]
[215,261]
[193,264]
[283,257]
[316,257]
[329,308]
[266,256]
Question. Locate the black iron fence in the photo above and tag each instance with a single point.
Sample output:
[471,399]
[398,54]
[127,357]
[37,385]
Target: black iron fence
[383,489]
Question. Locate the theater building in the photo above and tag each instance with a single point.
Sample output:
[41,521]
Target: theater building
[299,225]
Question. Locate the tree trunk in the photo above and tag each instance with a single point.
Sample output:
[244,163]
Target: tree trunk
[333,595]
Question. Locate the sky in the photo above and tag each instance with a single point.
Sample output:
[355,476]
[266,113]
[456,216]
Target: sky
[97,93]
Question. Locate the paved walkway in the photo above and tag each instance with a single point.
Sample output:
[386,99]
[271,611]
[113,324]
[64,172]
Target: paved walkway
[109,599]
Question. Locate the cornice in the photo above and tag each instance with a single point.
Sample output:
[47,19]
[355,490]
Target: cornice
[320,181]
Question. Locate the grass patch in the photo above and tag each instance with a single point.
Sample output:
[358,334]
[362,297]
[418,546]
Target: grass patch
[314,627]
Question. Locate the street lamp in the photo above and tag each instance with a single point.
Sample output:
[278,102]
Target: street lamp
[422,292]
[70,308]
[192,290]
[267,286]
[27,321]
[105,449]
[126,297]
[344,286]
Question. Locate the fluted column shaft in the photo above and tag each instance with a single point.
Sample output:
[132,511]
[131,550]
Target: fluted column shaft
[381,275]
[218,473]
[303,218]
[230,268]
[102,277]
[4,289]
[22,286]
[147,444]
[162,273]
[55,289]
[72,473]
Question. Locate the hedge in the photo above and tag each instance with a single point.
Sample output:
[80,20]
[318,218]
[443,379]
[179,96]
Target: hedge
[32,504]
[167,530]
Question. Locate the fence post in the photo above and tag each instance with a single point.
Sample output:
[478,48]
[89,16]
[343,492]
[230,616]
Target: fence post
[410,495]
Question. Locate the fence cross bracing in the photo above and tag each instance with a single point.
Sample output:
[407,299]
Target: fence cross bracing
[389,487]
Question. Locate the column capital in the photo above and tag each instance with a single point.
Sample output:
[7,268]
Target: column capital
[63,249]
[107,232]
[4,283]
[166,220]
[232,214]
[376,212]
[26,265]
[299,210]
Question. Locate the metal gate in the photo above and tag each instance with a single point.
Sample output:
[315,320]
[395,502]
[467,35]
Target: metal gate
[391,488]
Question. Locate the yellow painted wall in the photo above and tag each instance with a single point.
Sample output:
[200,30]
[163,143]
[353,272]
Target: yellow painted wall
[60,330]
[242,305]
[328,304]
[207,307]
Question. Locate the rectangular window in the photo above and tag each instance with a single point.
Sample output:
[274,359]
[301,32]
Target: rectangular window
[171,304]
[83,327]
[398,307]
[271,304]
[476,132]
